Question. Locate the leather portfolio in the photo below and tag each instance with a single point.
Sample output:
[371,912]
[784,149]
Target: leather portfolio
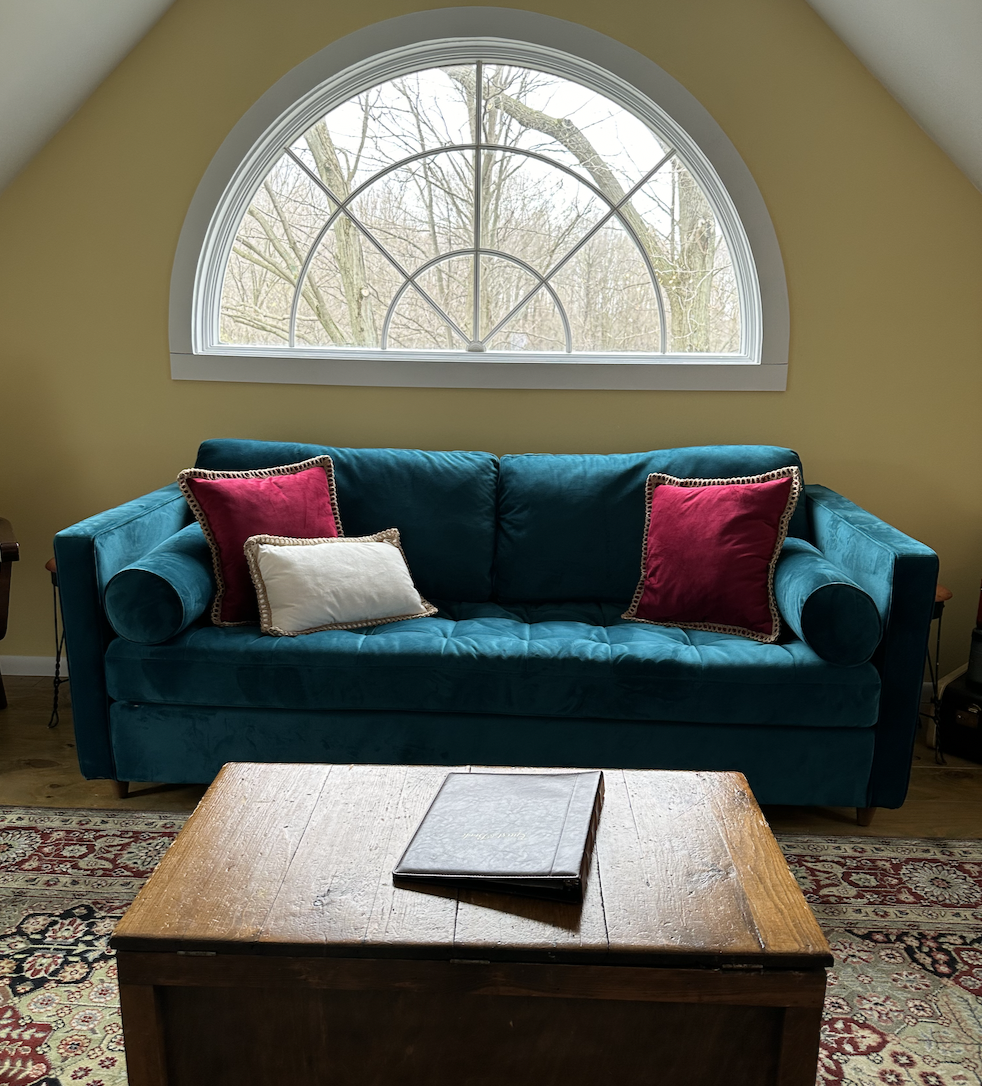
[520,833]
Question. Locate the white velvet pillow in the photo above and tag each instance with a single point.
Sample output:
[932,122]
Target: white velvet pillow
[339,583]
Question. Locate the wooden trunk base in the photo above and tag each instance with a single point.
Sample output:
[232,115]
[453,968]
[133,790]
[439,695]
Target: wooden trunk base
[224,1037]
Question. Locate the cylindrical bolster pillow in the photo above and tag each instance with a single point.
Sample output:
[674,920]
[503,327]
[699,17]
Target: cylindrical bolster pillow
[165,591]
[830,613]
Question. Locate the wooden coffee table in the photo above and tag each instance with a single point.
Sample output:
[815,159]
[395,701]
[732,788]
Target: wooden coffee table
[270,946]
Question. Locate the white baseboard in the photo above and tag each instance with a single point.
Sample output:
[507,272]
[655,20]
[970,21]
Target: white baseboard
[31,665]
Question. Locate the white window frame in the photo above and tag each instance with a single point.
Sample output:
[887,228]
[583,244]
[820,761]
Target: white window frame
[431,38]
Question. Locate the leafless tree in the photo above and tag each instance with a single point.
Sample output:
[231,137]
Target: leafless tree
[425,209]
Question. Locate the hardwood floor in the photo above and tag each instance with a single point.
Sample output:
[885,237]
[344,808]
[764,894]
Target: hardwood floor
[38,768]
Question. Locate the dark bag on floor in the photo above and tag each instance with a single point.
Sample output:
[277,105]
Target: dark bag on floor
[960,723]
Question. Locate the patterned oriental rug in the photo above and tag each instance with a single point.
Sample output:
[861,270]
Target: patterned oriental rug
[904,918]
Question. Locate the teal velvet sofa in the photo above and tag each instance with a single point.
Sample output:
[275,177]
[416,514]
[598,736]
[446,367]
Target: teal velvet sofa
[531,560]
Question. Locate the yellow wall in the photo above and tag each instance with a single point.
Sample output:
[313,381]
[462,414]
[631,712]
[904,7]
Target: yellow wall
[881,237]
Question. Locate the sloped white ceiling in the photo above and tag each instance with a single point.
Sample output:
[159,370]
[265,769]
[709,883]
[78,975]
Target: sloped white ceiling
[928,55]
[53,54]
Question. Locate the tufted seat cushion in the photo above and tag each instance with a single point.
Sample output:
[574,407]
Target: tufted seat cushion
[560,660]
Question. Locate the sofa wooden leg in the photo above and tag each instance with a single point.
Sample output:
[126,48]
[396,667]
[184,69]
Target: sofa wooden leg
[864,815]
[121,789]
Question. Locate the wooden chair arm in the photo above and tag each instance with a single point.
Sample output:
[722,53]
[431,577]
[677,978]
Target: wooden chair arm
[9,547]
[9,552]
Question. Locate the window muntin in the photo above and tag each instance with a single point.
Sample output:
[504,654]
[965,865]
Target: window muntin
[560,224]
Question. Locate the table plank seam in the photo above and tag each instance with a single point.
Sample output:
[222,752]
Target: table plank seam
[386,874]
[261,928]
[746,908]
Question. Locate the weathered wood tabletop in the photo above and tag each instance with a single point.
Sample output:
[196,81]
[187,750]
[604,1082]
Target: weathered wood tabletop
[297,859]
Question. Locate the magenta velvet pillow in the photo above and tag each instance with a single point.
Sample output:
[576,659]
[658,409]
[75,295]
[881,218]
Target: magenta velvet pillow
[710,548]
[297,500]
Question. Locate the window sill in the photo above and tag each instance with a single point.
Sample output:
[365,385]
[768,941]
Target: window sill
[420,370]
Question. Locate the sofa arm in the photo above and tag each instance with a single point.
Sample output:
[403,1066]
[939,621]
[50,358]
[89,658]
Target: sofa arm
[88,555]
[901,575]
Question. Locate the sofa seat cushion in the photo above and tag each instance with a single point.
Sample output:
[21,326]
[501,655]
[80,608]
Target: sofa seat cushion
[554,660]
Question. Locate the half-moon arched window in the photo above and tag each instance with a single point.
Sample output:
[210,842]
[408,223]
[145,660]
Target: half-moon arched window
[482,202]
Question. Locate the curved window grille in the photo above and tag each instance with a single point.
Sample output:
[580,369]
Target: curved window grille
[493,208]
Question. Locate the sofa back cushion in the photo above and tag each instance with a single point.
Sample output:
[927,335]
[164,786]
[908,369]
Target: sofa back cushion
[570,527]
[443,504]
